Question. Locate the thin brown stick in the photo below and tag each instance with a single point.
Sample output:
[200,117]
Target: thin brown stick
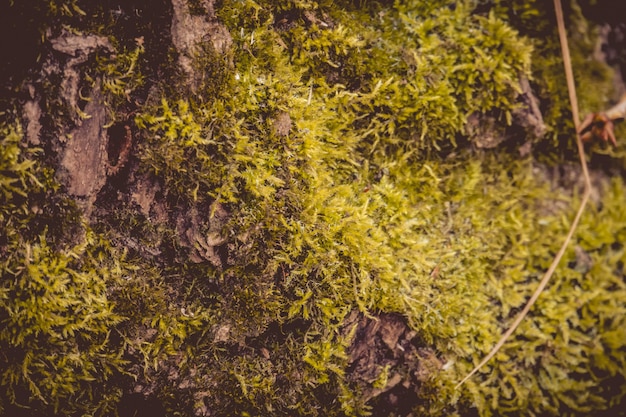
[571,88]
[569,75]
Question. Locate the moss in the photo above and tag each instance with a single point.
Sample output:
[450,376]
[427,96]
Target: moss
[332,142]
[54,311]
[118,76]
[594,79]
[344,210]
[352,208]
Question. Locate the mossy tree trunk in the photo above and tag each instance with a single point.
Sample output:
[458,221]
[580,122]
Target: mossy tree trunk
[304,208]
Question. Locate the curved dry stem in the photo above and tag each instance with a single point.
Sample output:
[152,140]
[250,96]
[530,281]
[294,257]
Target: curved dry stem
[542,284]
[583,161]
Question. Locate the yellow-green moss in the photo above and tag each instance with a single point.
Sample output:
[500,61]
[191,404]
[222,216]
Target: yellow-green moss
[54,313]
[352,208]
[333,143]
[594,79]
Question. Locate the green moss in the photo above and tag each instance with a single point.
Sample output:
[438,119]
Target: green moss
[118,76]
[594,79]
[351,207]
[17,170]
[57,322]
[54,313]
[332,136]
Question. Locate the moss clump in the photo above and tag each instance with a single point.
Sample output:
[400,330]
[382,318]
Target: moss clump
[57,322]
[328,173]
[594,79]
[54,311]
[351,207]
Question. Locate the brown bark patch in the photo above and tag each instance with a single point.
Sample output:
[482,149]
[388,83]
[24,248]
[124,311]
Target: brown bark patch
[190,31]
[84,159]
[386,343]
